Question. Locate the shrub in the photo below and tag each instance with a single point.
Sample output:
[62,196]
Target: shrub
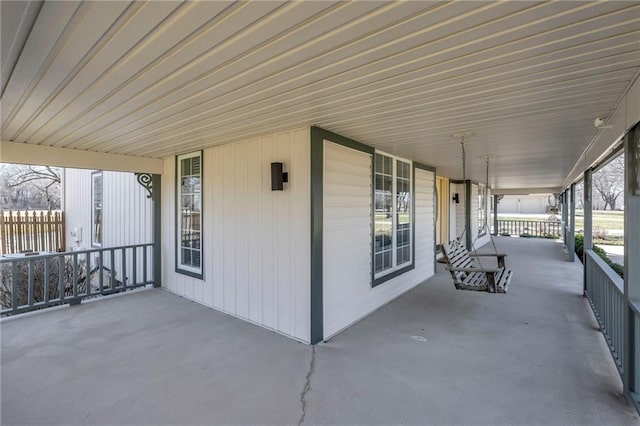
[22,280]
[579,249]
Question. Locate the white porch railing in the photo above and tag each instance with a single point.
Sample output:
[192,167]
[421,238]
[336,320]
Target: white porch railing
[605,292]
[30,282]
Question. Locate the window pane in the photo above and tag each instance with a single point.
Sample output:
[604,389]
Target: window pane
[387,165]
[383,213]
[403,212]
[97,193]
[186,167]
[377,262]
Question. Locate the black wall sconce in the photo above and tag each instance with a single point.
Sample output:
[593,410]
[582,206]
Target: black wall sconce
[278,177]
[456,199]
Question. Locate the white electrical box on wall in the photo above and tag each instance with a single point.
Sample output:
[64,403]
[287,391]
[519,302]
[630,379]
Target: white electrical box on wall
[76,233]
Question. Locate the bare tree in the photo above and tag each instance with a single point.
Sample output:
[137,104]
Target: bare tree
[608,182]
[580,195]
[33,187]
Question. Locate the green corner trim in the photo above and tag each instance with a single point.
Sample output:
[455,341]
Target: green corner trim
[317,164]
[156,180]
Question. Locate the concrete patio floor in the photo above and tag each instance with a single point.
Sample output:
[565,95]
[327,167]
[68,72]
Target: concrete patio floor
[434,356]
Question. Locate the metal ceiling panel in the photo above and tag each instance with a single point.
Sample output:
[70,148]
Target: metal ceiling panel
[156,79]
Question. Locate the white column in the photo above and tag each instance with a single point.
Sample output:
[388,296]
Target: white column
[572,227]
[588,221]
[496,200]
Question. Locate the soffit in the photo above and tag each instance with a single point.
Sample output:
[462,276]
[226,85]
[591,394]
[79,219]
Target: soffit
[161,78]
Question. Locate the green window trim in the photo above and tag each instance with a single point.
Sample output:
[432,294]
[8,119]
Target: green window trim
[393,214]
[189,258]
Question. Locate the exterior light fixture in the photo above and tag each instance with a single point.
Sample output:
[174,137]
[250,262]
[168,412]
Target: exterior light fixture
[456,198]
[278,177]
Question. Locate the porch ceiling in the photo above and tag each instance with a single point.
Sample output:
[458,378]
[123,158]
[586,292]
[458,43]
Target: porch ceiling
[160,78]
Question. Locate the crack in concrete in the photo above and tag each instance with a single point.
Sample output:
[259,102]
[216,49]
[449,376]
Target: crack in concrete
[307,386]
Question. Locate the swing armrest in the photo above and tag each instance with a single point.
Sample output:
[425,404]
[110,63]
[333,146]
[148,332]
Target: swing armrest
[490,270]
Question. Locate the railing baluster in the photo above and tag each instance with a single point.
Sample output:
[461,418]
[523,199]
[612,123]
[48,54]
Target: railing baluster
[61,274]
[100,271]
[87,275]
[30,284]
[144,264]
[124,267]
[134,266]
[113,269]
[75,275]
[45,284]
[14,285]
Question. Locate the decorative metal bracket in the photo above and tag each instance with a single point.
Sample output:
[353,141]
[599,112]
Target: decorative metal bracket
[499,197]
[145,180]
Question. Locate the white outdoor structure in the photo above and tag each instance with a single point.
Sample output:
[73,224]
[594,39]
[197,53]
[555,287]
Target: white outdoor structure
[126,211]
[207,95]
[525,204]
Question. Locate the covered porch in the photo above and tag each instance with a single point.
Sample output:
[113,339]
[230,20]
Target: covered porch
[433,356]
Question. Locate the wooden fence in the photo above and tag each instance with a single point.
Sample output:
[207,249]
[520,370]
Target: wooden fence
[22,231]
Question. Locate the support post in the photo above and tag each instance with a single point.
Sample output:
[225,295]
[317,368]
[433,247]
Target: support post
[563,206]
[588,222]
[156,184]
[572,223]
[631,265]
[495,214]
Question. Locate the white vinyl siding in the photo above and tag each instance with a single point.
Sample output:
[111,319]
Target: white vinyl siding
[348,294]
[456,211]
[127,215]
[255,240]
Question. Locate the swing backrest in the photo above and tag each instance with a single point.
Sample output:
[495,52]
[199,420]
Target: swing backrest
[457,256]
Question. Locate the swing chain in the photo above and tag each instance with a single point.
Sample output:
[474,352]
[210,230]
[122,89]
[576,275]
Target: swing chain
[486,180]
[464,160]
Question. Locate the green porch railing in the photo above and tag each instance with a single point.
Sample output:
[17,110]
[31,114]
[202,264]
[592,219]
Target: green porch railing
[32,281]
[533,228]
[605,292]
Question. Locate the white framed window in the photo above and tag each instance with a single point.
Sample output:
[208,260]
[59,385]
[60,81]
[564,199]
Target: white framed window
[482,209]
[97,197]
[189,214]
[393,215]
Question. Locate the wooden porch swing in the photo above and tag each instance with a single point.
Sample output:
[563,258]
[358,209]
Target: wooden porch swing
[465,267]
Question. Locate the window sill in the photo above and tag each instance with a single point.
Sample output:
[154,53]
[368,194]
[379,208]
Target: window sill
[197,275]
[393,274]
